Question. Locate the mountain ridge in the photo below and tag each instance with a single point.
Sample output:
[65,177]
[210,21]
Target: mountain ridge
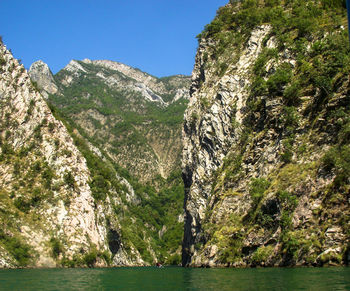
[148,113]
[133,73]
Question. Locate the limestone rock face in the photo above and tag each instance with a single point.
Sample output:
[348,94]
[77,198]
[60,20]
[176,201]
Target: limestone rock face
[40,73]
[209,131]
[260,169]
[46,204]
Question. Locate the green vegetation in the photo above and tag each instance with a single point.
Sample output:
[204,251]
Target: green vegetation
[122,124]
[90,258]
[295,24]
[257,189]
[35,86]
[2,61]
[33,177]
[103,173]
[18,249]
[85,259]
[227,235]
[156,209]
[114,101]
[56,247]
[69,179]
[262,254]
[338,159]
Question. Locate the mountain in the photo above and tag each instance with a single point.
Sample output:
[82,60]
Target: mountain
[63,201]
[132,122]
[266,137]
[132,115]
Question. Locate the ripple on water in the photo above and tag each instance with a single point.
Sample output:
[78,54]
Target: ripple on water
[176,278]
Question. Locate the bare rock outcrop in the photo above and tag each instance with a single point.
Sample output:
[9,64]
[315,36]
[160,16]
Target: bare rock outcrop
[40,73]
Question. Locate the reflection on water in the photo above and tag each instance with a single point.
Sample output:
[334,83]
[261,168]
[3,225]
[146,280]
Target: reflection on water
[173,278]
[50,279]
[269,279]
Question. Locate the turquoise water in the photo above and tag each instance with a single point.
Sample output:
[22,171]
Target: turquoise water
[176,278]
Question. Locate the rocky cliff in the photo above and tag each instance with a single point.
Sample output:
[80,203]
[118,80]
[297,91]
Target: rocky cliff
[61,202]
[266,137]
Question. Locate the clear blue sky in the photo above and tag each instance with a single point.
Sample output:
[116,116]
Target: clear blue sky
[156,36]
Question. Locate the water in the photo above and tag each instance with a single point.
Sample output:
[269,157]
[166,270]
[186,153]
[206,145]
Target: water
[175,278]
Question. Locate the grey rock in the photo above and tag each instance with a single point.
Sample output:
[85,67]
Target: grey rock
[40,73]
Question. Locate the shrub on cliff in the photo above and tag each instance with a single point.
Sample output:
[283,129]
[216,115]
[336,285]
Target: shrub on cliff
[56,247]
[257,188]
[19,250]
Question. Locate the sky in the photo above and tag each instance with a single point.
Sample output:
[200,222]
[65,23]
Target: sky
[156,36]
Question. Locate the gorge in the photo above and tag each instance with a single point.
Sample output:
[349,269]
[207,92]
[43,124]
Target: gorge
[244,164]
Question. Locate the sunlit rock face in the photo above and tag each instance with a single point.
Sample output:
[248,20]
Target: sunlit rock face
[259,169]
[48,215]
[40,73]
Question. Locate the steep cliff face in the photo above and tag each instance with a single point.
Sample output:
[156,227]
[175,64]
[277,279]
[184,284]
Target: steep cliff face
[49,214]
[133,116]
[266,144]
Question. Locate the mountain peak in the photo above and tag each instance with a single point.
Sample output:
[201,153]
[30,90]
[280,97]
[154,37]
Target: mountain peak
[40,73]
[74,66]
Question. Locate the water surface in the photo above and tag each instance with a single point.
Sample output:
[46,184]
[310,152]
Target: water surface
[176,278]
